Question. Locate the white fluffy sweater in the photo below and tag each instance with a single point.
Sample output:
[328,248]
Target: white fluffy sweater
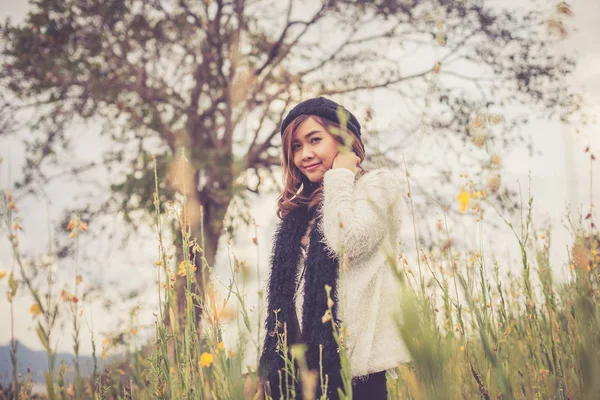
[361,219]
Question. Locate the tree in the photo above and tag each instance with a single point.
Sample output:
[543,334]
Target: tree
[216,77]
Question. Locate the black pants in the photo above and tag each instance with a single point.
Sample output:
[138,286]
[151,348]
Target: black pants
[373,388]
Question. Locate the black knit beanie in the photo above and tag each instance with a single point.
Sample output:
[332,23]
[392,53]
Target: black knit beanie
[325,108]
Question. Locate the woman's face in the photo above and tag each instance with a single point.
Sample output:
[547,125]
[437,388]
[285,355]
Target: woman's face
[313,150]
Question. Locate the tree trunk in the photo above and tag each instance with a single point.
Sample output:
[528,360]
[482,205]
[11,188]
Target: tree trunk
[206,228]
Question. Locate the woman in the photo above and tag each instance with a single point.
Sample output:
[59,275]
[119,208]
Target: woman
[338,227]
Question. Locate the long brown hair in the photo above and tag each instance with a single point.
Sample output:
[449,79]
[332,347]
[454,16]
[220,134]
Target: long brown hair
[297,188]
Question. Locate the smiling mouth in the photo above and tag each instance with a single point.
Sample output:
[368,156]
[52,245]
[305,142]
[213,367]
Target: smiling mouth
[312,167]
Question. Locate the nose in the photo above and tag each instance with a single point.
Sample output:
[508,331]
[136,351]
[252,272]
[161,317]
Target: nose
[307,153]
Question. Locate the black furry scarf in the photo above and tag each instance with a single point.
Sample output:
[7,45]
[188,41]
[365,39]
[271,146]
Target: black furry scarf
[320,270]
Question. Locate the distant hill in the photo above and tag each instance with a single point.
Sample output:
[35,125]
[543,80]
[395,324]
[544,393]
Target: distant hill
[37,361]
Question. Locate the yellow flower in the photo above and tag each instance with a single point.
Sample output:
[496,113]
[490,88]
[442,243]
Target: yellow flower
[182,270]
[463,199]
[35,309]
[230,353]
[205,360]
[462,348]
[2,274]
[221,346]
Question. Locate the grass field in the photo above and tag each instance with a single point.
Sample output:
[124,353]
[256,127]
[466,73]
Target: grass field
[473,330]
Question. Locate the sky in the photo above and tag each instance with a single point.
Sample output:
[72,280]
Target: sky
[559,181]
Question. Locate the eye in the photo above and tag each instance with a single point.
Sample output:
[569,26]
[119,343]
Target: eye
[295,146]
[315,140]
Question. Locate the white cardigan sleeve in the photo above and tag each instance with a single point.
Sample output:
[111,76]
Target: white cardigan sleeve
[355,220]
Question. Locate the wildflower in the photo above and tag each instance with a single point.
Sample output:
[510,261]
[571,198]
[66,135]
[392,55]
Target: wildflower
[221,346]
[446,245]
[230,353]
[479,140]
[494,183]
[76,226]
[580,256]
[329,303]
[159,262]
[66,296]
[35,309]
[182,269]
[464,198]
[438,225]
[495,160]
[462,348]
[78,279]
[206,359]
[564,8]
[133,331]
[226,314]
[17,226]
[554,25]
[440,37]
[2,274]
[494,119]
